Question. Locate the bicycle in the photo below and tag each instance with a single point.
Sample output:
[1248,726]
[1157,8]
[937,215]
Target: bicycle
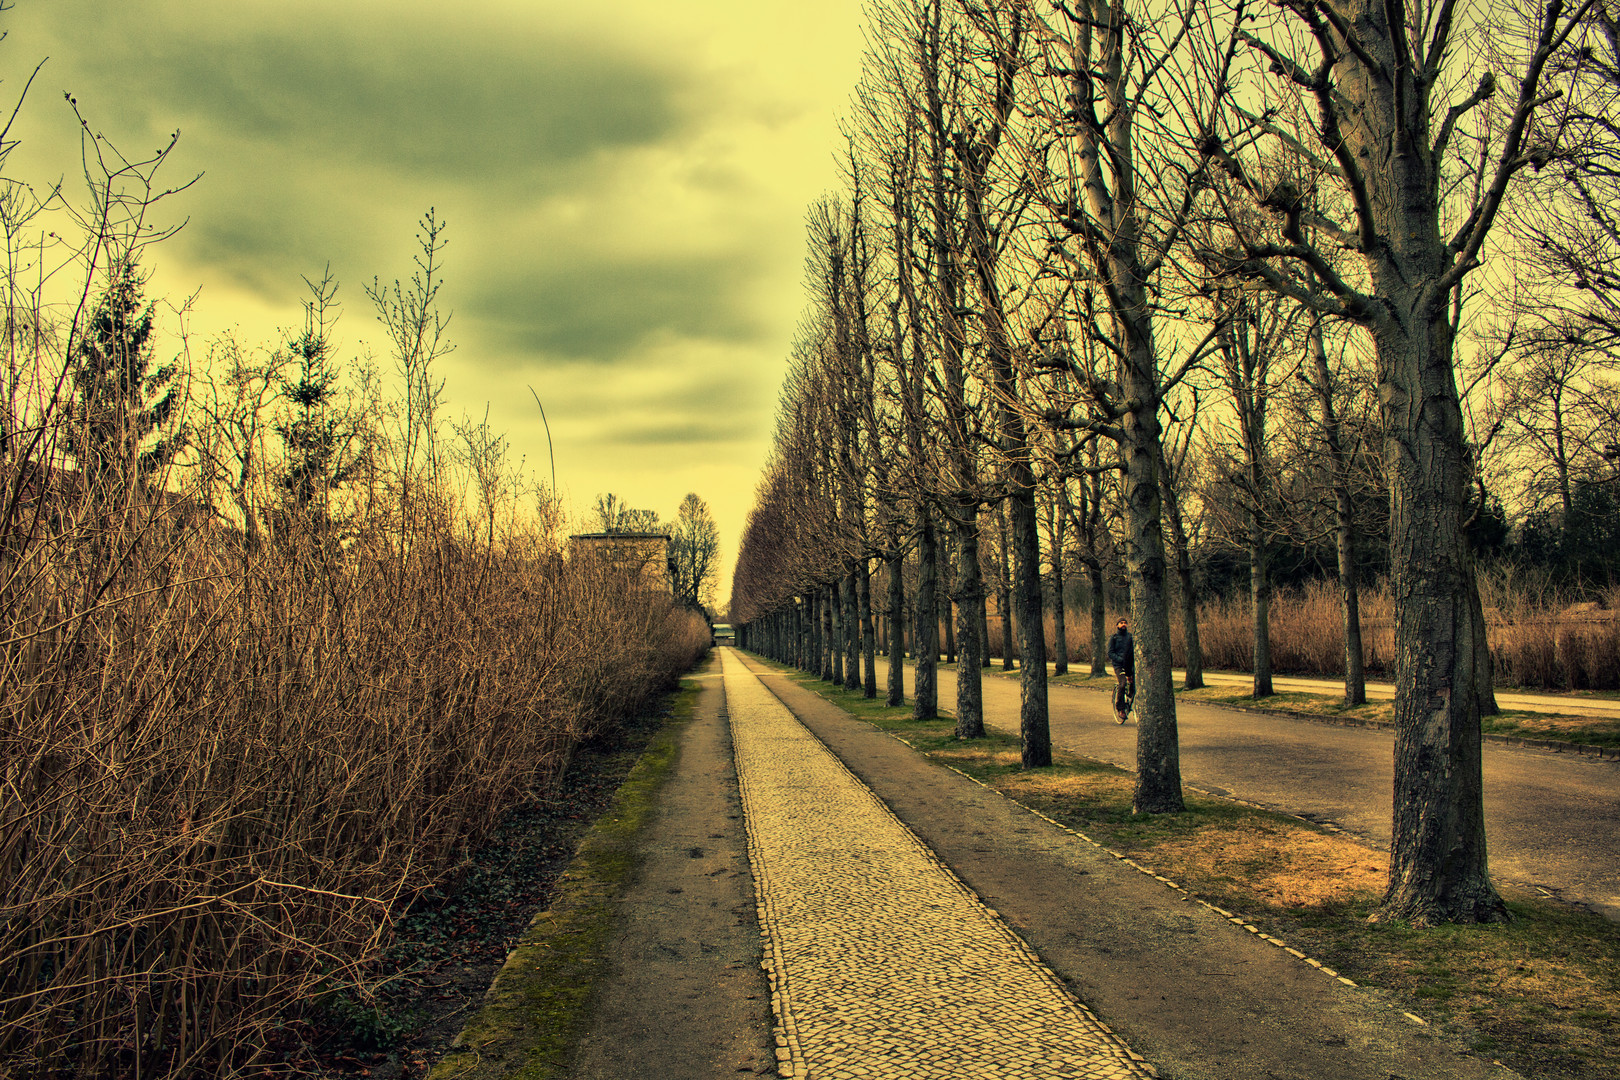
[1124,698]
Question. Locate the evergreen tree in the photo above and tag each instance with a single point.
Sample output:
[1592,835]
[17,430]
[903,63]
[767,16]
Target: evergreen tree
[120,399]
[314,435]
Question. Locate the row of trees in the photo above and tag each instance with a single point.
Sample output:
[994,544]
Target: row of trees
[1089,255]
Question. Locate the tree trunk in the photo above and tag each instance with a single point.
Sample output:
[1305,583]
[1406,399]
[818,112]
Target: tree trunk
[969,618]
[1004,591]
[925,625]
[1194,667]
[1437,849]
[1060,623]
[835,640]
[1033,723]
[1099,621]
[1437,853]
[863,580]
[896,621]
[1260,596]
[852,631]
[1158,756]
[984,633]
[1344,522]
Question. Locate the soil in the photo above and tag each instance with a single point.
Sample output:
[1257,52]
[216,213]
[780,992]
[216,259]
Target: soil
[453,941]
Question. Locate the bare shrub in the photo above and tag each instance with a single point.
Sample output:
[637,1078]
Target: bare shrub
[244,722]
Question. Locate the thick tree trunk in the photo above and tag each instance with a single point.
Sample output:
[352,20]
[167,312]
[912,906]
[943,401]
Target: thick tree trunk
[896,621]
[969,618]
[925,624]
[1033,723]
[1437,847]
[863,580]
[1438,866]
[1158,756]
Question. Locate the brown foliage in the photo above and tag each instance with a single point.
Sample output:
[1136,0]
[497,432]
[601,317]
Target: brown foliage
[226,770]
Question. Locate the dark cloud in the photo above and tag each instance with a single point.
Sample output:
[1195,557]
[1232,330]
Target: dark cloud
[601,310]
[683,433]
[427,98]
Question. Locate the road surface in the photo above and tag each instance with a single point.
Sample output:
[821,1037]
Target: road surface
[1553,819]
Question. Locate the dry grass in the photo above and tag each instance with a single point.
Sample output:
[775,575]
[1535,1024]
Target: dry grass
[1283,865]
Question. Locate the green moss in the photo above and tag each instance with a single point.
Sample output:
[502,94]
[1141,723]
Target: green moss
[537,1007]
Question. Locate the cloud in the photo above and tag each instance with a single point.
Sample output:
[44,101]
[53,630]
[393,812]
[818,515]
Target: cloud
[601,308]
[324,132]
[680,433]
[455,100]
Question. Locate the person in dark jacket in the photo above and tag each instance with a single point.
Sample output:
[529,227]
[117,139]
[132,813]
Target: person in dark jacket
[1122,658]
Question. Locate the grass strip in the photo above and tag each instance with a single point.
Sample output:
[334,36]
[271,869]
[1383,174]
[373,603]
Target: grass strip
[1540,994]
[536,1009]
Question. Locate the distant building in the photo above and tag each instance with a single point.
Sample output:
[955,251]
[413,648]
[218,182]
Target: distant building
[643,555]
[723,634]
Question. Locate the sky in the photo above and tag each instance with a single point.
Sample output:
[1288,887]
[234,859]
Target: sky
[624,188]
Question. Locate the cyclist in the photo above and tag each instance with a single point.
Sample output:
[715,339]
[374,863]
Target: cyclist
[1122,656]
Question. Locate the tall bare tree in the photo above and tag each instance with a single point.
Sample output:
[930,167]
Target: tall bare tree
[1380,76]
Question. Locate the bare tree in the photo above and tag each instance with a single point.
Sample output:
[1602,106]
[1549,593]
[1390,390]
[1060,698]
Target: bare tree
[1119,95]
[694,551]
[1380,77]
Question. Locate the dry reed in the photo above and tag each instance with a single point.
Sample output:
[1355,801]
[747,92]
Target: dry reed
[1539,638]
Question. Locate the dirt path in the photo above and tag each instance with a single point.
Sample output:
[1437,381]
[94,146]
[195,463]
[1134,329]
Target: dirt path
[687,999]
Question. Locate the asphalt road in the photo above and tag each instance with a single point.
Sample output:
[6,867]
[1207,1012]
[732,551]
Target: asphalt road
[1553,820]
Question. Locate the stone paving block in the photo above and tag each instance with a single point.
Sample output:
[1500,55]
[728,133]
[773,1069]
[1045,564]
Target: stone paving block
[883,962]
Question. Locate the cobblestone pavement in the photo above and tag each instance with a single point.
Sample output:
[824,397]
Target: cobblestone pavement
[882,963]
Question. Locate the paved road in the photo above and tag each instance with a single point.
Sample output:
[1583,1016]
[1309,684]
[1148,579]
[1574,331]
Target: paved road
[1553,819]
[1552,704]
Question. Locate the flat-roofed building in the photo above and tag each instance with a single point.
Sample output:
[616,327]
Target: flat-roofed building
[642,555]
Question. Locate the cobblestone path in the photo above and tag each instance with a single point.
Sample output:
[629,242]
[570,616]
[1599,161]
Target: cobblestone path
[882,963]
